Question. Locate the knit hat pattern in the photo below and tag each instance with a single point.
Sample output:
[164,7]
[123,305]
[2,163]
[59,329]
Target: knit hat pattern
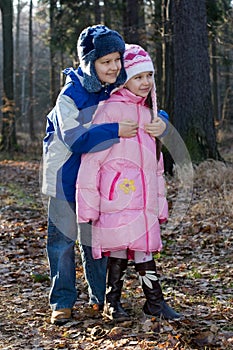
[95,42]
[136,61]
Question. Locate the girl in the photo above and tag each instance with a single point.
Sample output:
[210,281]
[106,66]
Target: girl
[123,194]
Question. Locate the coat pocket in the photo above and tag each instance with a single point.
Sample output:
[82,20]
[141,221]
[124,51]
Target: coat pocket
[113,185]
[121,190]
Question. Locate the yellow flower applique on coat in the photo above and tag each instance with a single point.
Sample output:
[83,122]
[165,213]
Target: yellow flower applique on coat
[127,186]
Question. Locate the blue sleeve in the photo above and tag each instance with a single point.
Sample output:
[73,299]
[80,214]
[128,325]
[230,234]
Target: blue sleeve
[165,117]
[96,138]
[77,134]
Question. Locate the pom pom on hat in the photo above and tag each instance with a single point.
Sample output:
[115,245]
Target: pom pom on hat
[95,42]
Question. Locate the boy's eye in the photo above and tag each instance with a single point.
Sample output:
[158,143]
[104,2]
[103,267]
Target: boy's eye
[109,61]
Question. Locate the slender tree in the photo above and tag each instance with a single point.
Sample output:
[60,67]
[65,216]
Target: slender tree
[107,13]
[17,66]
[31,80]
[8,141]
[97,11]
[167,57]
[52,11]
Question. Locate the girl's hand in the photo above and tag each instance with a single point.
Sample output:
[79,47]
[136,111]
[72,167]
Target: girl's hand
[127,128]
[156,128]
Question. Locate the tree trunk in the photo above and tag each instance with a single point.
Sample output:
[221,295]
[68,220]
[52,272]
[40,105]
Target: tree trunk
[8,141]
[215,83]
[97,12]
[226,113]
[142,40]
[193,111]
[168,59]
[53,94]
[131,21]
[158,42]
[17,68]
[31,74]
[107,13]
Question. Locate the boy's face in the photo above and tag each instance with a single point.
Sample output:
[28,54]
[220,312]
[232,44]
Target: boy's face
[141,84]
[108,67]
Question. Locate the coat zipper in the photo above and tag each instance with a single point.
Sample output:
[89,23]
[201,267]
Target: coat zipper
[143,184]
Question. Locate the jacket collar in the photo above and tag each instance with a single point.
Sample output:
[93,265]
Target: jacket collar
[128,96]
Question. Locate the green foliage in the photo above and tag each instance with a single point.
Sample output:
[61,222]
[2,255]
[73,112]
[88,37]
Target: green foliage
[15,194]
[195,274]
[216,12]
[69,19]
[155,33]
[39,278]
[157,256]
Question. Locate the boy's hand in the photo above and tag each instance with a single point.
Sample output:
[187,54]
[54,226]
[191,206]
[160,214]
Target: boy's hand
[127,128]
[156,128]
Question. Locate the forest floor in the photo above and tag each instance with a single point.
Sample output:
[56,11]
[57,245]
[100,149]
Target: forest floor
[196,269]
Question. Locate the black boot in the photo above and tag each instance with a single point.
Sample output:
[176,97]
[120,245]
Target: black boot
[155,304]
[113,308]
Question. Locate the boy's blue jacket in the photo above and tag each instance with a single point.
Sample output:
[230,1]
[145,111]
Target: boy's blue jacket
[69,134]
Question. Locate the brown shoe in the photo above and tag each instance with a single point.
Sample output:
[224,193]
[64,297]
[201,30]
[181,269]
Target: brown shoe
[60,317]
[97,307]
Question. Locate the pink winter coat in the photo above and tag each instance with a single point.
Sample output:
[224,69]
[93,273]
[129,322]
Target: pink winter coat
[121,189]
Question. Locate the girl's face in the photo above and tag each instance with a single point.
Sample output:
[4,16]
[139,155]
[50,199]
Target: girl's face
[108,67]
[141,84]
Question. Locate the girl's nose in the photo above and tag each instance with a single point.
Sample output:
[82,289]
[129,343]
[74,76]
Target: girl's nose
[146,80]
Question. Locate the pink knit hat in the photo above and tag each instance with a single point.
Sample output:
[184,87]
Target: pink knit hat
[136,61]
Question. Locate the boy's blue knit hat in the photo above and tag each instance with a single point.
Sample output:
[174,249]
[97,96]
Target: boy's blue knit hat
[95,42]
